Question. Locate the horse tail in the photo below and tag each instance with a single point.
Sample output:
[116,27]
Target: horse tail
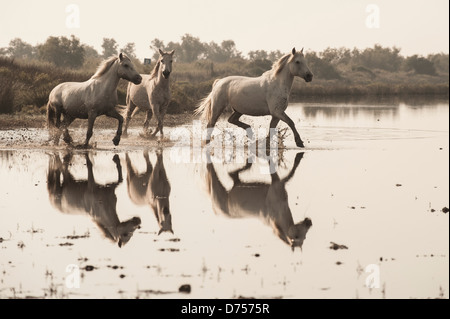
[51,116]
[205,106]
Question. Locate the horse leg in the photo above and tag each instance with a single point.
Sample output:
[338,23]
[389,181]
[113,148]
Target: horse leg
[116,160]
[67,120]
[158,117]
[234,175]
[148,117]
[234,119]
[273,124]
[114,114]
[212,121]
[91,120]
[129,113]
[286,119]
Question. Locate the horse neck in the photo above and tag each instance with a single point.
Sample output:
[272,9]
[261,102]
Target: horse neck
[110,80]
[284,78]
[161,81]
[277,206]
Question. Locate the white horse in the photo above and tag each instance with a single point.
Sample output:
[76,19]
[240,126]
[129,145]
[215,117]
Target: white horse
[151,188]
[267,94]
[152,95]
[268,202]
[87,100]
[86,197]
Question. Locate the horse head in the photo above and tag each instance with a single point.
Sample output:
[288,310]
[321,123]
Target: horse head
[126,229]
[296,234]
[298,66]
[163,215]
[127,71]
[165,60]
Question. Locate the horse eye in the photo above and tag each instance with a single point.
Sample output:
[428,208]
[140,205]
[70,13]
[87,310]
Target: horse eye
[127,66]
[298,62]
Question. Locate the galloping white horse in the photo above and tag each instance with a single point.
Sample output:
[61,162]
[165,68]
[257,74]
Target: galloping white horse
[152,95]
[86,197]
[268,202]
[87,100]
[267,94]
[151,188]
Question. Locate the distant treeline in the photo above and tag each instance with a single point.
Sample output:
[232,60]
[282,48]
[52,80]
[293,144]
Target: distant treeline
[28,73]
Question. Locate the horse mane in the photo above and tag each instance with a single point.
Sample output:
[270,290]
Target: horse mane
[280,64]
[105,66]
[155,70]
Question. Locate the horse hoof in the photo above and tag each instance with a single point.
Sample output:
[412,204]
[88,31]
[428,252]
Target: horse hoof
[299,143]
[116,141]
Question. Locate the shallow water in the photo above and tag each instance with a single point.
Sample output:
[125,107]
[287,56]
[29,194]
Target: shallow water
[373,179]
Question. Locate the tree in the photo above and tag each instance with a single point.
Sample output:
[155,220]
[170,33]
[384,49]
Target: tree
[191,49]
[420,65]
[336,56]
[321,67]
[221,53]
[157,44]
[62,52]
[90,52]
[110,47]
[258,55]
[440,61]
[129,49]
[380,58]
[275,55]
[20,49]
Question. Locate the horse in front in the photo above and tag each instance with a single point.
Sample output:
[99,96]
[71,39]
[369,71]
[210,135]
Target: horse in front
[152,95]
[267,94]
[90,99]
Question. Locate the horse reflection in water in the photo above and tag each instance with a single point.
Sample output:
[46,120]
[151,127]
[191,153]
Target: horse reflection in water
[151,188]
[268,202]
[79,196]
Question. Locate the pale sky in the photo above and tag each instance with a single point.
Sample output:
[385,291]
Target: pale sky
[416,26]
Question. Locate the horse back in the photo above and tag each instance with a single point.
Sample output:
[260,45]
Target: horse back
[245,95]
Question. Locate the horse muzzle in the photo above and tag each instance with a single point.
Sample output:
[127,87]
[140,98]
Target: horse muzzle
[137,79]
[308,77]
[166,74]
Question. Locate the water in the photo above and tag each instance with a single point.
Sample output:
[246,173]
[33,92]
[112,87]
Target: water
[373,178]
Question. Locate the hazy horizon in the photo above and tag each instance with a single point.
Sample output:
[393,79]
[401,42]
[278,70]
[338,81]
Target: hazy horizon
[416,27]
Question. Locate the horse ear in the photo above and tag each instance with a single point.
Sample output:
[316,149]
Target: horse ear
[301,51]
[120,56]
[160,52]
[293,51]
[172,52]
